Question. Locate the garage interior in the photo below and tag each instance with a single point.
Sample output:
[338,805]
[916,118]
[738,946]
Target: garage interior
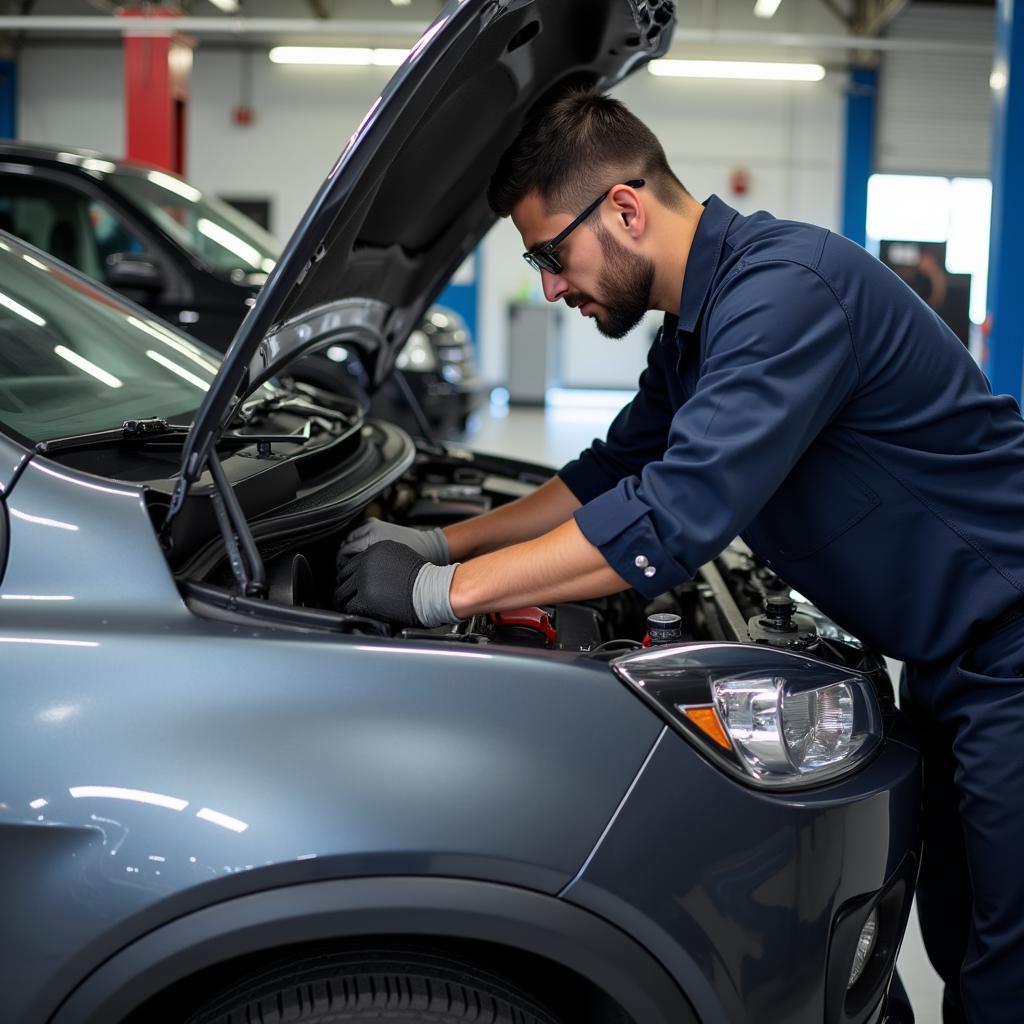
[895,124]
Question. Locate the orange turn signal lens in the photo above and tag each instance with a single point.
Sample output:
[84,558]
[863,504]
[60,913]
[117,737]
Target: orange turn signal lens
[706,719]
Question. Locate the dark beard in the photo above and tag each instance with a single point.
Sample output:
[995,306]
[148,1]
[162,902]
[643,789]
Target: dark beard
[625,285]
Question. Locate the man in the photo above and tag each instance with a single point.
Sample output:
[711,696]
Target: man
[801,395]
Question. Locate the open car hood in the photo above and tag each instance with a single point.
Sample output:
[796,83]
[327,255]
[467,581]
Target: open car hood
[405,202]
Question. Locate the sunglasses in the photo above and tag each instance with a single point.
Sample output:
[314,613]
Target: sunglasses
[545,255]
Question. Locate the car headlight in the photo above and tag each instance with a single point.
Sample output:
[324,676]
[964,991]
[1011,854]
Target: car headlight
[771,717]
[417,354]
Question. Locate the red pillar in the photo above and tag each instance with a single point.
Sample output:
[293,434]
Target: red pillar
[156,74]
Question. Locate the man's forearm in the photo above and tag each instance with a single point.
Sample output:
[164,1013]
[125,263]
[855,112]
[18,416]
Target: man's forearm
[524,519]
[562,565]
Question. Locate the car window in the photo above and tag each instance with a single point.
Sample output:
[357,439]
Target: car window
[70,225]
[221,237]
[74,358]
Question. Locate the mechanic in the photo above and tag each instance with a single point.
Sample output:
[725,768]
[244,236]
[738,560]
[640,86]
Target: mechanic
[802,396]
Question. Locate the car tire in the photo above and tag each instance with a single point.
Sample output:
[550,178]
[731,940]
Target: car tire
[372,987]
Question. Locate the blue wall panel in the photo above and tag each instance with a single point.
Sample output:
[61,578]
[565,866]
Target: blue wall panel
[8,99]
[1005,362]
[860,151]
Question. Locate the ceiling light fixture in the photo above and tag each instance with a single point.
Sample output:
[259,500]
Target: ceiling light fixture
[350,56]
[227,6]
[766,8]
[341,56]
[759,71]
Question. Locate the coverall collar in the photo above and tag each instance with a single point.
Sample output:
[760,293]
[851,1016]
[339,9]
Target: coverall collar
[701,264]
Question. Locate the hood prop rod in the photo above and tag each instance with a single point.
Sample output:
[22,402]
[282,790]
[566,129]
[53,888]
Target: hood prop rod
[246,563]
[414,406]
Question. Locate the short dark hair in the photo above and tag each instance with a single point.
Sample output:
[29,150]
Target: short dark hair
[570,151]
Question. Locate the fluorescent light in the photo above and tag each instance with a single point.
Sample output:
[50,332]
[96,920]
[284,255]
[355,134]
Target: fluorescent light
[175,185]
[737,69]
[348,55]
[227,6]
[224,820]
[87,367]
[224,238]
[388,58]
[339,56]
[46,642]
[188,351]
[766,8]
[179,370]
[105,166]
[425,650]
[43,521]
[140,796]
[17,307]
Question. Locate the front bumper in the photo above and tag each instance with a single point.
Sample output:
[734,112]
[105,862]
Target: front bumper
[747,897]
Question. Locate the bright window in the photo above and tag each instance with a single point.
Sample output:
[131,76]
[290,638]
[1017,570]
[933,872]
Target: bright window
[956,211]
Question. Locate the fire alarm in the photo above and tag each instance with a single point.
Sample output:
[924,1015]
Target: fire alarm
[739,181]
[242,114]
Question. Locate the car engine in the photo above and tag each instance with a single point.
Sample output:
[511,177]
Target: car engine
[734,598]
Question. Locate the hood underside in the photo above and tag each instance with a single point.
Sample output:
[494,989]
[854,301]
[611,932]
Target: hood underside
[406,201]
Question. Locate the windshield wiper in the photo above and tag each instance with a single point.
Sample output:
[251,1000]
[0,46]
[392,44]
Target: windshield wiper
[150,430]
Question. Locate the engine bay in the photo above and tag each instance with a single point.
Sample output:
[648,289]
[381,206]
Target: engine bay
[734,598]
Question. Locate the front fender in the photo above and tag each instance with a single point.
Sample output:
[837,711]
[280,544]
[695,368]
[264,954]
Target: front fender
[448,908]
[163,770]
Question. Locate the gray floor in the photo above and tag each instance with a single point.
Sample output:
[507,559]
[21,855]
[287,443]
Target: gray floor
[558,433]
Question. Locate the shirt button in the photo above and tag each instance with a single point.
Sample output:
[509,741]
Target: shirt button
[641,562]
[649,571]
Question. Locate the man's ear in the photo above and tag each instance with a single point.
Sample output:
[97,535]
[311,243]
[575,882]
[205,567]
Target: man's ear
[628,210]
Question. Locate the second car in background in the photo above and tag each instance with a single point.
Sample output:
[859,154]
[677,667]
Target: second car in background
[194,260]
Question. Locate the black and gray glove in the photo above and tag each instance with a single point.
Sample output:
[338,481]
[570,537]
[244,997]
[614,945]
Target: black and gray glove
[431,544]
[390,581]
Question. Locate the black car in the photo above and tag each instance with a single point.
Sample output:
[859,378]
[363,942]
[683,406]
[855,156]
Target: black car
[195,261]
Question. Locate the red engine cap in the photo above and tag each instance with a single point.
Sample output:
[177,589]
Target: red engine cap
[527,618]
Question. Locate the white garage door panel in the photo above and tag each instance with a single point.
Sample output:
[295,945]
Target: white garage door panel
[935,110]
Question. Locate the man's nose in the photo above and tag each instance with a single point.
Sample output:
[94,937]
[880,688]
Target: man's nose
[555,285]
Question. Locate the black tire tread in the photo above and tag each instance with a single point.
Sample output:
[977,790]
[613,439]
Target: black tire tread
[371,987]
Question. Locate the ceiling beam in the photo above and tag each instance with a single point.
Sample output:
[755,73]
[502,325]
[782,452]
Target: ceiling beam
[252,29]
[872,17]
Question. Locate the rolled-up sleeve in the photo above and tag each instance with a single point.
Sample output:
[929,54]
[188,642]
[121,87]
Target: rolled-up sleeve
[778,363]
[638,434]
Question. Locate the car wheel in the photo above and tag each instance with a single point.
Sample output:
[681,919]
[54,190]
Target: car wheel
[372,987]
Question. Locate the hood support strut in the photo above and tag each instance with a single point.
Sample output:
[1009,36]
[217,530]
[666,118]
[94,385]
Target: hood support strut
[246,563]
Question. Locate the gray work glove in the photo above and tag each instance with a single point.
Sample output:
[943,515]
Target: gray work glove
[390,581]
[431,544]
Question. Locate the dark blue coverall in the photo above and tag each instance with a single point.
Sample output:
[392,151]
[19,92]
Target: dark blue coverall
[807,400]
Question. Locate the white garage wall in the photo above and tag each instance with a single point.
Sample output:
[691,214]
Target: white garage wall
[788,136]
[72,96]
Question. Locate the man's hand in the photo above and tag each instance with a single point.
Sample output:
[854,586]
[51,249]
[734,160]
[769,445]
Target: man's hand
[430,544]
[390,581]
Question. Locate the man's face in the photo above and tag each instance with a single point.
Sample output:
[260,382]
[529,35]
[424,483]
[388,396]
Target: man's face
[600,276]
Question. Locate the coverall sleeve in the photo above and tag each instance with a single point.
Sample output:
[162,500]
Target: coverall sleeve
[779,362]
[638,434]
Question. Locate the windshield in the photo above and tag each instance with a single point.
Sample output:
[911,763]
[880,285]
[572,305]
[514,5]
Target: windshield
[220,236]
[74,358]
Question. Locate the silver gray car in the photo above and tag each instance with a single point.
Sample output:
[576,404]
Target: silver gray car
[223,801]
